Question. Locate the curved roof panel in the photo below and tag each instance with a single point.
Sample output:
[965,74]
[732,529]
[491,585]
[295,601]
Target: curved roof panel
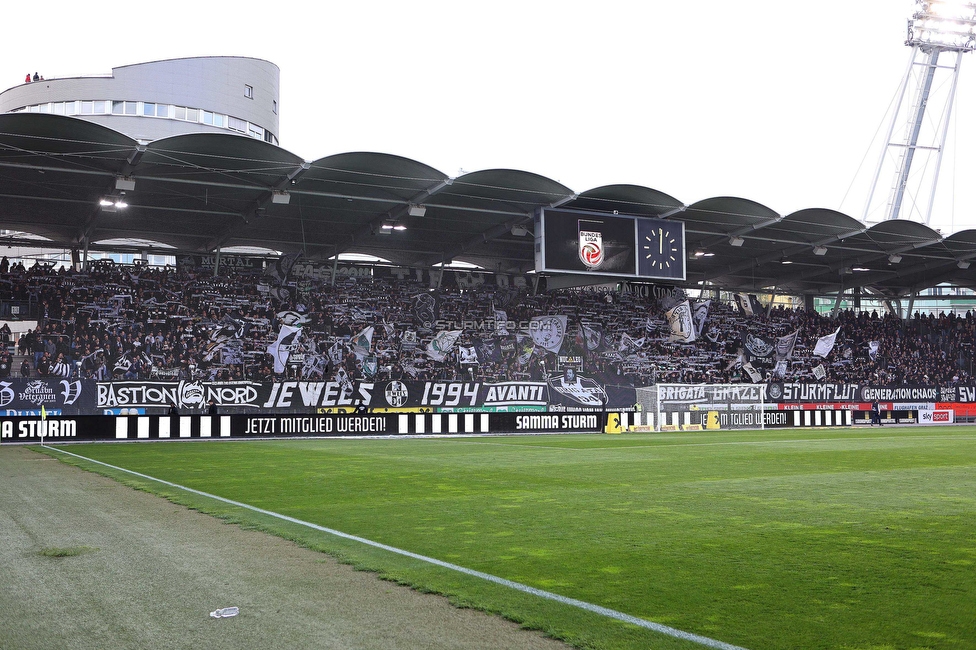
[628,199]
[200,192]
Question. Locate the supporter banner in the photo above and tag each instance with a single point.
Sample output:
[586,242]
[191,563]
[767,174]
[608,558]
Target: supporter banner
[208,262]
[26,397]
[907,394]
[779,391]
[965,394]
[566,391]
[309,270]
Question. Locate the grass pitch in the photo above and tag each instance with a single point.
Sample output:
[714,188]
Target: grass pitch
[777,539]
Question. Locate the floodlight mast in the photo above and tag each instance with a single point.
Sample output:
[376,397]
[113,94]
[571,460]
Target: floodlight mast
[936,28]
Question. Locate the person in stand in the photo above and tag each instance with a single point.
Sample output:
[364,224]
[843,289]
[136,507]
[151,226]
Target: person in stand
[172,409]
[36,77]
[212,407]
[876,414]
[25,369]
[27,79]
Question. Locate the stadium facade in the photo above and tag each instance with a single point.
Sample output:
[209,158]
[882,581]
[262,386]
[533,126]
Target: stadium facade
[159,99]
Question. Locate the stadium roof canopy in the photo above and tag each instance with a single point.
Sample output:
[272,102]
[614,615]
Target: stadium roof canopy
[199,192]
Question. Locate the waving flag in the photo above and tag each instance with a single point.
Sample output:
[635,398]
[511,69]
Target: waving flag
[362,342]
[442,344]
[280,350]
[682,324]
[825,344]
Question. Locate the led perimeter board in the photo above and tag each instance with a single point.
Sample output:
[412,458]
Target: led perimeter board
[572,241]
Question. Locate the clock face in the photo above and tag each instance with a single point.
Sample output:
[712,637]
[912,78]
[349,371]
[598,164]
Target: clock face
[660,249]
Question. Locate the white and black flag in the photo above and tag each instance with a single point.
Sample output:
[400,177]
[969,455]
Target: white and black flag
[744,303]
[825,344]
[785,345]
[683,328]
[699,312]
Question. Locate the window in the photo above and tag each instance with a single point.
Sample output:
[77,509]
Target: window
[123,108]
[149,109]
[236,124]
[192,115]
[248,91]
[274,106]
[102,107]
[218,119]
[87,108]
[162,110]
[255,131]
[207,117]
[181,112]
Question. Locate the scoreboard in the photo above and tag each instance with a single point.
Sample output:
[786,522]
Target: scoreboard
[571,241]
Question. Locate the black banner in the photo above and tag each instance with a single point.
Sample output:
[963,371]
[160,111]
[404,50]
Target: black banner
[779,391]
[26,397]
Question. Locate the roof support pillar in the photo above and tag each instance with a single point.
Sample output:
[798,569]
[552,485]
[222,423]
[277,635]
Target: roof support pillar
[772,298]
[836,309]
[911,304]
[335,263]
[217,262]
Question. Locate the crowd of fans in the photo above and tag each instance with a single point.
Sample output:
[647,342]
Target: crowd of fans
[131,322]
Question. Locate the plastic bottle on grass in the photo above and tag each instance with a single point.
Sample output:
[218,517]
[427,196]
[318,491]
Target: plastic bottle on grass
[225,612]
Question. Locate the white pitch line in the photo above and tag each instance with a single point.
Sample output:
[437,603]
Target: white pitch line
[596,609]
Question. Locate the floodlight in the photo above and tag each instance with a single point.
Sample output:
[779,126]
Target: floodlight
[106,202]
[125,184]
[894,259]
[399,226]
[417,210]
[943,25]
[819,250]
[736,241]
[963,265]
[280,197]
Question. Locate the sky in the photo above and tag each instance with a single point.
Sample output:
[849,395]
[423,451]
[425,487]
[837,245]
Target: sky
[779,102]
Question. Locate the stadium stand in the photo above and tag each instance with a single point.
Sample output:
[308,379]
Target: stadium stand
[117,322]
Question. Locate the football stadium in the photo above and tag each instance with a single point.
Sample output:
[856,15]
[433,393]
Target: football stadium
[253,400]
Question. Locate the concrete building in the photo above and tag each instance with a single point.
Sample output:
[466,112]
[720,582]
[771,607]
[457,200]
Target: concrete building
[150,101]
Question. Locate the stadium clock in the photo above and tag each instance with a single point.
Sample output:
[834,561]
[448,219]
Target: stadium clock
[660,249]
